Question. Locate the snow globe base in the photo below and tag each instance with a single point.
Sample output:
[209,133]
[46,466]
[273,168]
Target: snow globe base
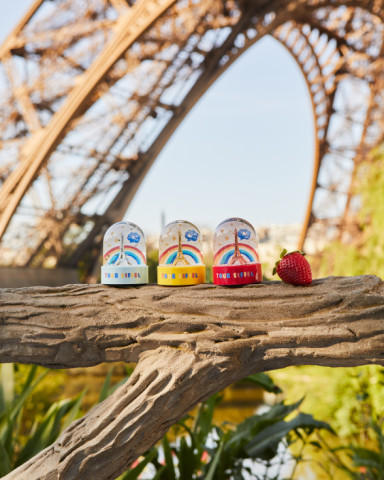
[124,275]
[180,275]
[237,274]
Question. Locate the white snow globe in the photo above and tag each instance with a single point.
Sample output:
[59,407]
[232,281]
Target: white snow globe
[124,255]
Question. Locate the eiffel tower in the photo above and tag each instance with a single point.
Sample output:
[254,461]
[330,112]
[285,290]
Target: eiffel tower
[180,258]
[237,257]
[91,92]
[122,259]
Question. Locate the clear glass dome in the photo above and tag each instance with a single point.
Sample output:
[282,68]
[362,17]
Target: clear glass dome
[235,243]
[180,245]
[124,245]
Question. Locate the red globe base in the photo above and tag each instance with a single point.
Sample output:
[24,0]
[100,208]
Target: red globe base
[237,274]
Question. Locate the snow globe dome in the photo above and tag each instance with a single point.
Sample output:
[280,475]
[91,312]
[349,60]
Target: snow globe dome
[180,258]
[124,255]
[235,253]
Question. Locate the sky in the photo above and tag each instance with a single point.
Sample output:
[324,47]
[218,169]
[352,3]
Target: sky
[246,148]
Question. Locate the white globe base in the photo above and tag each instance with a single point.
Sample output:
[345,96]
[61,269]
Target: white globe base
[134,275]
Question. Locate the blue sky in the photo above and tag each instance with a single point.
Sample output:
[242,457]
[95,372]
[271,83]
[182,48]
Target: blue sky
[246,149]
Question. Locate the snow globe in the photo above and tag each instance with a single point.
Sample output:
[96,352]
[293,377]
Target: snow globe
[180,257]
[235,253]
[124,255]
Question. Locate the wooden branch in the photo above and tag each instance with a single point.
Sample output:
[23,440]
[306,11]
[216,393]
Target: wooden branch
[102,444]
[189,343]
[335,322]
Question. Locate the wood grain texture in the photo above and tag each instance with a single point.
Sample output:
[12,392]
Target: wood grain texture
[83,325]
[188,342]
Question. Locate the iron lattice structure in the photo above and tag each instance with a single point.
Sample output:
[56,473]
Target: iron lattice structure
[91,90]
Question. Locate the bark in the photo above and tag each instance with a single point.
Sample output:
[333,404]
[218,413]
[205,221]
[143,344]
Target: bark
[188,342]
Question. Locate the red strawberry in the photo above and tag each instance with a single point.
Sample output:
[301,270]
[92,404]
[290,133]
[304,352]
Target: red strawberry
[293,268]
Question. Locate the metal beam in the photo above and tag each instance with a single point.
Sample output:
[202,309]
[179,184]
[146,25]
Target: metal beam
[128,106]
[129,27]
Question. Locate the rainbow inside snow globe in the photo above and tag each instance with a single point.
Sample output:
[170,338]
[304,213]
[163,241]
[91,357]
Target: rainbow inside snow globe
[235,249]
[124,255]
[180,257]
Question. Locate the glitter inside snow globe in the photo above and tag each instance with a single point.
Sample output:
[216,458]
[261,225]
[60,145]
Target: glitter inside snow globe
[180,257]
[235,249]
[124,255]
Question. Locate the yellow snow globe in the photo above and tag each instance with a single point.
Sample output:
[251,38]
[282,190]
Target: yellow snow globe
[124,255]
[180,257]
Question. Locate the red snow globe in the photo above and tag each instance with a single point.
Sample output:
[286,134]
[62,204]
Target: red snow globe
[235,249]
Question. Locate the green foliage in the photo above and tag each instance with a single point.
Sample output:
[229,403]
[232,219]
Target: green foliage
[368,256]
[45,432]
[13,451]
[135,471]
[204,450]
[152,262]
[48,390]
[263,381]
[370,462]
[20,441]
[357,461]
[351,400]
[107,389]
[366,448]
[367,464]
[344,397]
[208,273]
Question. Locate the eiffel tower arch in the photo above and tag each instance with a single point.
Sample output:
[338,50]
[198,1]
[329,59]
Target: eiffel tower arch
[92,90]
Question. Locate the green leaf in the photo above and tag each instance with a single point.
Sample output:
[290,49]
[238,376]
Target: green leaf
[5,462]
[251,426]
[366,457]
[129,369]
[47,431]
[7,386]
[379,435]
[168,459]
[107,390]
[264,381]
[28,387]
[214,463]
[159,474]
[104,389]
[264,444]
[203,421]
[117,385]
[9,418]
[73,413]
[315,444]
[135,472]
[187,460]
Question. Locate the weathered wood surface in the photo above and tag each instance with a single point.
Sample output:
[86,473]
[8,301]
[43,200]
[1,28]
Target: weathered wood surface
[188,342]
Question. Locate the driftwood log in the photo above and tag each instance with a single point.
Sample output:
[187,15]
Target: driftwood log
[188,342]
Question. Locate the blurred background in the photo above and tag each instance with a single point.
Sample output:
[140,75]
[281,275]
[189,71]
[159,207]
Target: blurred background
[209,109]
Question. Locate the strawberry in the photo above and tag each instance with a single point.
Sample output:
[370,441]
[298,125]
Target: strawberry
[293,268]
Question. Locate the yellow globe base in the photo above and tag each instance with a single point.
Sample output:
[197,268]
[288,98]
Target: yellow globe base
[189,275]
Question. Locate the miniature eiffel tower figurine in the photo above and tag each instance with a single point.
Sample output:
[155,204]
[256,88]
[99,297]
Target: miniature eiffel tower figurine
[122,260]
[180,258]
[237,256]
